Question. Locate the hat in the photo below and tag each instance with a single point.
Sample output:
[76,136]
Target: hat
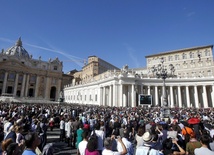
[147,137]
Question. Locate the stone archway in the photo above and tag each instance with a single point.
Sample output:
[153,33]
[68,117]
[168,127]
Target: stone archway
[53,93]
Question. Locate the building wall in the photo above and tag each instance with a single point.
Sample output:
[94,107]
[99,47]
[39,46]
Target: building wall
[22,76]
[122,87]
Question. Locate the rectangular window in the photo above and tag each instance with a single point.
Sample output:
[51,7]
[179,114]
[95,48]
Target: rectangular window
[55,68]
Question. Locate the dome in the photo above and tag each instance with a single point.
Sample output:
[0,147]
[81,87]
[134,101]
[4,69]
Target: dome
[17,50]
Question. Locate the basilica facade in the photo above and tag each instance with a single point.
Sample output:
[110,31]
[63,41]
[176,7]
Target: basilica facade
[191,86]
[26,78]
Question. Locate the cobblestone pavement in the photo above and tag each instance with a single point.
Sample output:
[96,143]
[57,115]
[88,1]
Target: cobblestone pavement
[60,148]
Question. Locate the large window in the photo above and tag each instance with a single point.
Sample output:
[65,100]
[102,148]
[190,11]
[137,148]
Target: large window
[184,56]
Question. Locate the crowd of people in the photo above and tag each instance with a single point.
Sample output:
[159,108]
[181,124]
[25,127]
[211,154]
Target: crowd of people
[99,130]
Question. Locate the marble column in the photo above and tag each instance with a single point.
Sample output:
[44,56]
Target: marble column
[101,96]
[205,101]
[16,84]
[196,96]
[23,86]
[121,95]
[133,103]
[110,96]
[187,96]
[172,102]
[179,97]
[5,82]
[27,85]
[104,95]
[114,95]
[149,93]
[156,96]
[212,95]
[37,86]
[47,88]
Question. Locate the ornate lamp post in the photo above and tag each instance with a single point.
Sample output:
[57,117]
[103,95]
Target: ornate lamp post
[161,72]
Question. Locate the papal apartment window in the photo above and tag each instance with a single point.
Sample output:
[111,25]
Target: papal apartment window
[191,55]
[209,72]
[176,57]
[170,58]
[207,52]
[44,67]
[184,56]
[184,64]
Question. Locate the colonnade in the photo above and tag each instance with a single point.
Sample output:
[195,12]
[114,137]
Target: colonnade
[126,95]
[20,84]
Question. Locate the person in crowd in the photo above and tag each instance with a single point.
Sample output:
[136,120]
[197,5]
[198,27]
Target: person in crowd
[139,136]
[76,124]
[13,149]
[79,134]
[192,145]
[32,141]
[86,126]
[69,131]
[101,136]
[146,148]
[91,148]
[204,149]
[212,143]
[11,133]
[82,145]
[48,149]
[62,129]
[108,147]
[51,123]
[122,130]
[4,144]
[43,133]
[168,148]
[127,143]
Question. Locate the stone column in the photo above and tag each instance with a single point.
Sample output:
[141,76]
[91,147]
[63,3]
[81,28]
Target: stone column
[23,86]
[196,96]
[149,93]
[114,95]
[37,86]
[58,90]
[104,96]
[172,102]
[110,96]
[27,85]
[133,103]
[212,95]
[121,95]
[179,97]
[16,84]
[156,96]
[141,89]
[205,101]
[47,88]
[187,96]
[5,82]
[101,95]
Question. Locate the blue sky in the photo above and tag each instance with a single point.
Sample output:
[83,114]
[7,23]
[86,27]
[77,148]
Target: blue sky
[118,31]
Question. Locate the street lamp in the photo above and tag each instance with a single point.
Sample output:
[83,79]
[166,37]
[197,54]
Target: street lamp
[161,72]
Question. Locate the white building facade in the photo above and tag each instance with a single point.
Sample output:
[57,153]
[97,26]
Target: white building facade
[193,85]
